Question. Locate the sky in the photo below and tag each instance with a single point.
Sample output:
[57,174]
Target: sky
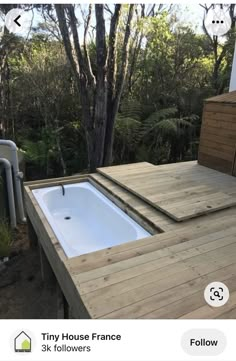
[191,13]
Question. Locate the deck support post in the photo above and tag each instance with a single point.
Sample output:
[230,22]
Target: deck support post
[46,269]
[33,239]
[61,312]
[63,309]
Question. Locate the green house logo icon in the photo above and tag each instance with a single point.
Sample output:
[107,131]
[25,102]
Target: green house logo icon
[22,343]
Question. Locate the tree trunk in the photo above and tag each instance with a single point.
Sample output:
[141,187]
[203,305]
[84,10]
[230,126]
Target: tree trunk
[112,108]
[100,118]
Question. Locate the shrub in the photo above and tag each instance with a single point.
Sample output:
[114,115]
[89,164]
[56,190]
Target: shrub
[5,239]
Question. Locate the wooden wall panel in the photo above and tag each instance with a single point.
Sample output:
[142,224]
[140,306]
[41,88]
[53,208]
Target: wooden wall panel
[220,116]
[217,153]
[221,108]
[222,146]
[218,137]
[216,163]
[220,124]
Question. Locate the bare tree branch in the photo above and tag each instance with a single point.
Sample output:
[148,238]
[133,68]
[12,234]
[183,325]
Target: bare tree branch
[124,57]
[118,88]
[66,39]
[205,7]
[71,11]
[111,63]
[106,7]
[101,98]
[152,10]
[86,53]
[51,23]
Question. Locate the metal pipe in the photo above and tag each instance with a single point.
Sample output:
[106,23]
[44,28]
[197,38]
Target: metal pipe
[63,188]
[10,192]
[17,177]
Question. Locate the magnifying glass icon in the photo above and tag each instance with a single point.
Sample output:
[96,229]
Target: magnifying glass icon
[216,294]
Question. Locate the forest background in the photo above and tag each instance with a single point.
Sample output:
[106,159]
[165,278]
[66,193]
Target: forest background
[97,85]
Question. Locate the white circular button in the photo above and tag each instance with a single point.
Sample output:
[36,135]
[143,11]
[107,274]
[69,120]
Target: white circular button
[217,21]
[18,21]
[216,294]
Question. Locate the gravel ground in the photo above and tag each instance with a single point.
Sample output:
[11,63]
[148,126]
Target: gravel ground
[22,292]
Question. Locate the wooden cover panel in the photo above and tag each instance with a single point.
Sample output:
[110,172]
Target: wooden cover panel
[180,192]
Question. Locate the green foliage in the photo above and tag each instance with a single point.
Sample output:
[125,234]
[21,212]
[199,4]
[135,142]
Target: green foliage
[176,67]
[36,152]
[159,121]
[46,110]
[43,153]
[161,136]
[164,130]
[5,239]
[127,128]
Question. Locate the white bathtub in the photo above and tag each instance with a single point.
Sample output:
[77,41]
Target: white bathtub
[84,220]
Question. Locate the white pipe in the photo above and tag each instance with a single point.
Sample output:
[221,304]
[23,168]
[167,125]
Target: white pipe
[232,85]
[10,192]
[17,176]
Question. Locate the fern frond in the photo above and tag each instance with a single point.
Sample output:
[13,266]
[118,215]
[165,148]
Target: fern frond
[167,126]
[161,114]
[127,130]
[182,122]
[131,109]
[162,123]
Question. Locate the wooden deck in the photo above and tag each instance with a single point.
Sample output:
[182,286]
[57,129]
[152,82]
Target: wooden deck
[163,276]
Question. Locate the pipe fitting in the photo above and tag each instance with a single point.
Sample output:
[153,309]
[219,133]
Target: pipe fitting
[20,175]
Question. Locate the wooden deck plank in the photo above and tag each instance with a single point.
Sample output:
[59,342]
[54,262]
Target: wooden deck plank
[163,263]
[212,312]
[230,314]
[173,239]
[198,266]
[163,299]
[213,203]
[192,302]
[141,269]
[175,196]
